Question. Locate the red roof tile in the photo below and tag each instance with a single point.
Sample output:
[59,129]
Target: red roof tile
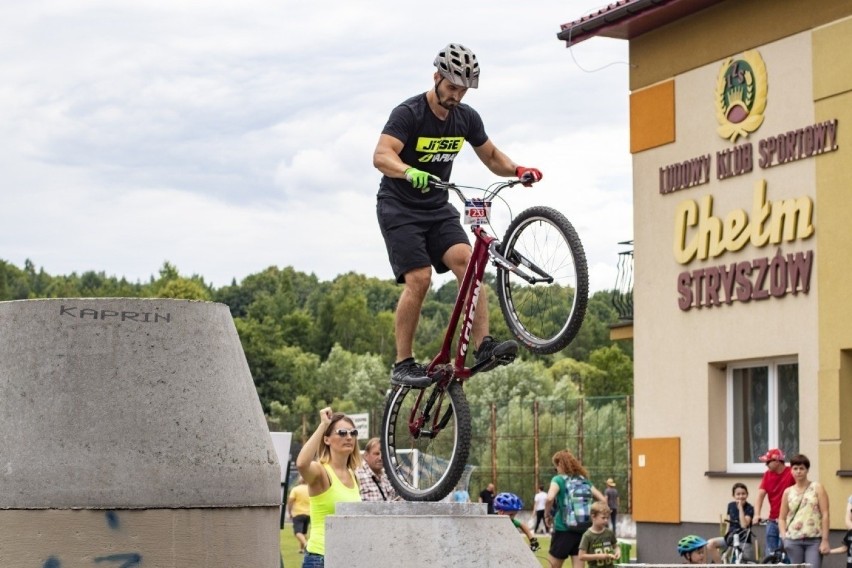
[627,19]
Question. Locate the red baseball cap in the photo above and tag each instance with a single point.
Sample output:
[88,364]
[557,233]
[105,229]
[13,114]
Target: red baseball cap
[772,455]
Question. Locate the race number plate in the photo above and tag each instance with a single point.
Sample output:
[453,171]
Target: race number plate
[476,211]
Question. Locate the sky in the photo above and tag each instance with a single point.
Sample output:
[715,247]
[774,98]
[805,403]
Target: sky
[226,137]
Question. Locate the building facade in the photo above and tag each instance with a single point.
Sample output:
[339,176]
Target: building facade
[742,178]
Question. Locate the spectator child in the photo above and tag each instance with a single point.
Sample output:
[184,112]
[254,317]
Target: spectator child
[693,549]
[509,504]
[738,516]
[846,547]
[849,513]
[598,545]
[460,495]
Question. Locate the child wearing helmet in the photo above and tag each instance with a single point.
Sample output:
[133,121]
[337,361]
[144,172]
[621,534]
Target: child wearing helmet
[509,504]
[598,546]
[693,549]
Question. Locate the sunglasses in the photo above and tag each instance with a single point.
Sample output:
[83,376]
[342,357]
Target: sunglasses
[343,432]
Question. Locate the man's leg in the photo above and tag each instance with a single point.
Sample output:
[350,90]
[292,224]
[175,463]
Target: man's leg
[773,543]
[406,370]
[417,284]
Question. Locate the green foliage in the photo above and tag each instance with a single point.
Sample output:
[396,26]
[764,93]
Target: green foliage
[617,370]
[309,343]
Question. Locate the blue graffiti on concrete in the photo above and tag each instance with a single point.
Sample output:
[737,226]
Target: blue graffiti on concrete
[130,559]
[126,560]
[112,519]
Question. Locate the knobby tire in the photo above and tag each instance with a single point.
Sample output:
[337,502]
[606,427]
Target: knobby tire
[440,459]
[544,317]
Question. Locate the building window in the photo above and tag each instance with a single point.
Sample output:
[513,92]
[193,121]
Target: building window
[763,411]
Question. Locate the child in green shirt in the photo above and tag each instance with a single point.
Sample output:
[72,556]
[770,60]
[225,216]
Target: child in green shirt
[509,504]
[598,547]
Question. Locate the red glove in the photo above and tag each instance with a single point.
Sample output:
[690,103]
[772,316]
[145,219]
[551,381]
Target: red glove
[527,175]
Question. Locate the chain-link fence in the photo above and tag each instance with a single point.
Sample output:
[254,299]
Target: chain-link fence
[513,442]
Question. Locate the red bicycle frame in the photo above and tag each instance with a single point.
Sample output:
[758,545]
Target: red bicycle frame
[467,298]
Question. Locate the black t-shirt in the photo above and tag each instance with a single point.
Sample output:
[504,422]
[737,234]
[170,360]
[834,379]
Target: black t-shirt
[430,145]
[488,498]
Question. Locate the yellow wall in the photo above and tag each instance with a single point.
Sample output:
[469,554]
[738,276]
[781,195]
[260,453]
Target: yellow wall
[680,356]
[723,30]
[833,98]
[652,117]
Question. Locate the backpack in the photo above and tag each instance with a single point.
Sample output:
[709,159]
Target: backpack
[577,502]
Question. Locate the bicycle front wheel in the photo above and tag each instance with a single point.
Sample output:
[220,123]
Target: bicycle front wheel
[545,314]
[425,440]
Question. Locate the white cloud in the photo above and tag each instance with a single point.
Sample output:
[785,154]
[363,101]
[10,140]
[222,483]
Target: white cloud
[227,137]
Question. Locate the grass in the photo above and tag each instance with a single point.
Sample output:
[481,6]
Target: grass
[290,548]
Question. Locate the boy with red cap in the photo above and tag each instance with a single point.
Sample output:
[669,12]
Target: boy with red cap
[776,479]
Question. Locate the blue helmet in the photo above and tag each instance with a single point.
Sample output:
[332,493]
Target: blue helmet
[508,502]
[690,543]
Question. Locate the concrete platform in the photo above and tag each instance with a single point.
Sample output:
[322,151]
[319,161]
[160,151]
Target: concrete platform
[131,434]
[423,535]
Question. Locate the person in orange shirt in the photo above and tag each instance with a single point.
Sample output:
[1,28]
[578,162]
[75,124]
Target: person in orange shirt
[299,509]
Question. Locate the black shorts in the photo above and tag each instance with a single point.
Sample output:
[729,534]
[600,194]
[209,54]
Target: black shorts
[301,524]
[418,237]
[564,544]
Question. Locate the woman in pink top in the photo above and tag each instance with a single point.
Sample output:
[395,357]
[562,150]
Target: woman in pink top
[804,518]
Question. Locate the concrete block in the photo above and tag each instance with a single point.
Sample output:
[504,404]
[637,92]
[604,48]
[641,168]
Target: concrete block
[423,535]
[126,403]
[131,433]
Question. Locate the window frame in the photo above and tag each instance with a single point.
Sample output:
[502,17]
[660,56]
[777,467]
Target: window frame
[772,437]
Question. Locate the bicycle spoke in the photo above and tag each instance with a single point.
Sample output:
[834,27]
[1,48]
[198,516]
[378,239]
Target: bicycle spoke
[544,313]
[426,441]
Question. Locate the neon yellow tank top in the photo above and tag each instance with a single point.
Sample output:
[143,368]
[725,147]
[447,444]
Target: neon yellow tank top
[323,505]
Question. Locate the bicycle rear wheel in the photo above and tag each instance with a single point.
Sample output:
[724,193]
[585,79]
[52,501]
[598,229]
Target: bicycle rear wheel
[425,440]
[546,314]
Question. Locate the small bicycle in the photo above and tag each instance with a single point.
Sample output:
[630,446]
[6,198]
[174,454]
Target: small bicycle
[542,285]
[740,548]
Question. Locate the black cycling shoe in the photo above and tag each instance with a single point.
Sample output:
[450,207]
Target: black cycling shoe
[494,353]
[409,373]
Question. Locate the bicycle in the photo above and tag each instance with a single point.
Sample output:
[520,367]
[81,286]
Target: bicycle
[542,286]
[778,556]
[741,549]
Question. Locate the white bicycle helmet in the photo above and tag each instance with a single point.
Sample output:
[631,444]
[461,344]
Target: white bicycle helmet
[458,65]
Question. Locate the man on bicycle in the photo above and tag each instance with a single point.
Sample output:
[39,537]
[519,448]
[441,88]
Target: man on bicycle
[420,227]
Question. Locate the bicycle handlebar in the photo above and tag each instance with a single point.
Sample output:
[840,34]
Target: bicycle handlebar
[491,190]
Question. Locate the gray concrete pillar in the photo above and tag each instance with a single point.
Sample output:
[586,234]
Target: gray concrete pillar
[131,435]
[423,535]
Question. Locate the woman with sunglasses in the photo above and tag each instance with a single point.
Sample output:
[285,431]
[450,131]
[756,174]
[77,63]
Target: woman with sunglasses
[330,477]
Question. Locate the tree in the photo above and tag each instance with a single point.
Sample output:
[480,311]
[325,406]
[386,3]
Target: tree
[520,380]
[184,289]
[574,372]
[618,372]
